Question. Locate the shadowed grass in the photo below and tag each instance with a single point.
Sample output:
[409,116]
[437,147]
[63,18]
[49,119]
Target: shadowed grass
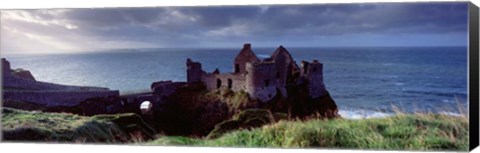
[235,100]
[246,119]
[18,125]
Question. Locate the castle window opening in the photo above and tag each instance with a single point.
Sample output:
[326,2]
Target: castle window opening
[314,69]
[267,83]
[219,83]
[237,68]
[230,83]
[305,68]
[145,106]
[278,75]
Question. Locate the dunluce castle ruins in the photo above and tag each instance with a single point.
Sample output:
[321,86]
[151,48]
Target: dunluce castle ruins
[262,79]
[193,107]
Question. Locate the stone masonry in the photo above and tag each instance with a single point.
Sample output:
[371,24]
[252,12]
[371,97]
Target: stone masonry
[261,78]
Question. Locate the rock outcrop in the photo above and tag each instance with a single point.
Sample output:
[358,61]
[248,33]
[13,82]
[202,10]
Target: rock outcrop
[194,110]
[249,118]
[21,73]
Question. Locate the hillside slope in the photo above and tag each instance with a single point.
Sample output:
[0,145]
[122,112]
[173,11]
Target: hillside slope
[401,132]
[18,125]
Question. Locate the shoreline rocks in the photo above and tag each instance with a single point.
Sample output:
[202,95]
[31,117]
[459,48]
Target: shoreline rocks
[23,74]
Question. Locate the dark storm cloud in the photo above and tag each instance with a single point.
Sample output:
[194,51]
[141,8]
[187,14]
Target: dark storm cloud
[172,26]
[345,19]
[215,17]
[326,19]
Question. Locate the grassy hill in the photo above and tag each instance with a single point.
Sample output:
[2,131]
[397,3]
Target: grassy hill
[400,132]
[19,125]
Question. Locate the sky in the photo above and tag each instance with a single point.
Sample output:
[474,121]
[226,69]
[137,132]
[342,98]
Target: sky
[319,25]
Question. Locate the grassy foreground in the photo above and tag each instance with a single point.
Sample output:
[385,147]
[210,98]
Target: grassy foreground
[400,132]
[19,125]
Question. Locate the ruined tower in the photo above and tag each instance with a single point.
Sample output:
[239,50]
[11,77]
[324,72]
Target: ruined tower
[246,55]
[313,72]
[260,80]
[194,71]
[284,66]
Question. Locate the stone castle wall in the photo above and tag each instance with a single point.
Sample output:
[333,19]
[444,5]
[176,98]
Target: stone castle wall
[235,82]
[166,88]
[314,75]
[261,80]
[245,56]
[194,71]
[285,67]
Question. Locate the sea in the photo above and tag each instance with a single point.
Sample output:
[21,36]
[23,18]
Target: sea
[365,82]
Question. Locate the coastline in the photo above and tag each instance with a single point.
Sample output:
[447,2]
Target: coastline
[204,112]
[424,88]
[360,114]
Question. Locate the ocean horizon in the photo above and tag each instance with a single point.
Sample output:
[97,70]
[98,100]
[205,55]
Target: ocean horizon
[368,80]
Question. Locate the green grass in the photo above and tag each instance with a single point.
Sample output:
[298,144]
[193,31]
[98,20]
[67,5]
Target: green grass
[18,125]
[246,119]
[234,100]
[400,132]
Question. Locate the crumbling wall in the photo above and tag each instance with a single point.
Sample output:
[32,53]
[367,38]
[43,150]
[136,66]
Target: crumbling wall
[165,88]
[234,82]
[210,79]
[245,56]
[194,71]
[260,80]
[284,67]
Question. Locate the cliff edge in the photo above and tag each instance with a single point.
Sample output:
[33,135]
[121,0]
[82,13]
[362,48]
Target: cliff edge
[20,88]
